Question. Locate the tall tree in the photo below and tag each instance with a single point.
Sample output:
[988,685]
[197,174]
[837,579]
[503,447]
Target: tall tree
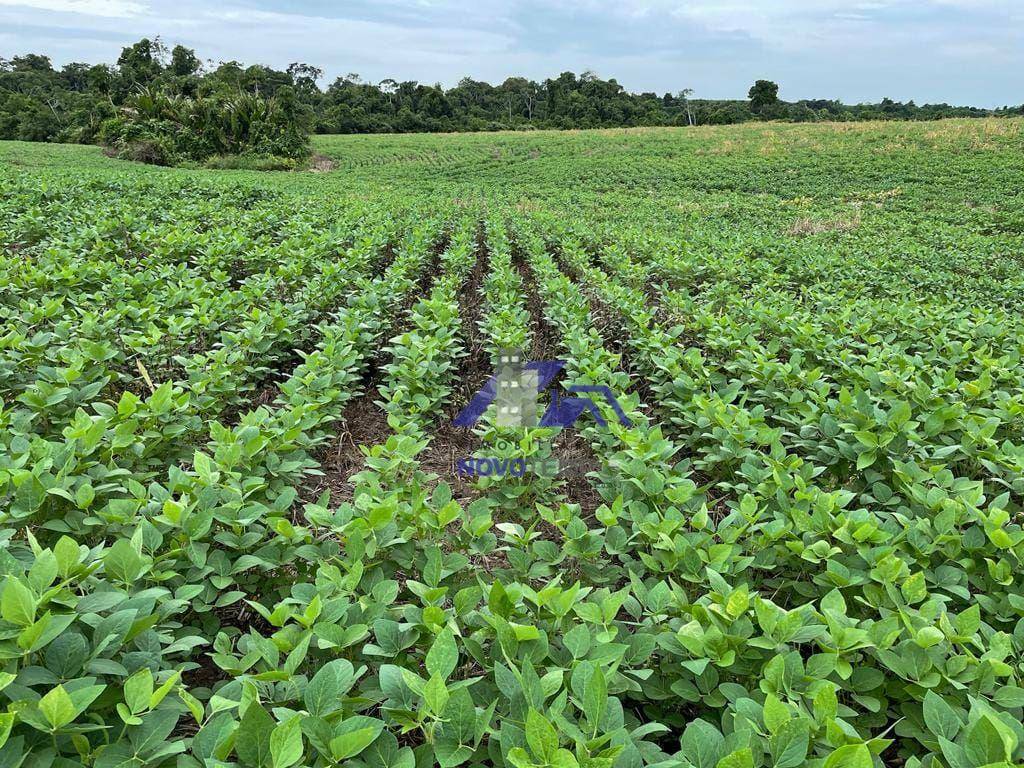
[142,63]
[184,61]
[763,94]
[305,77]
[684,96]
[389,87]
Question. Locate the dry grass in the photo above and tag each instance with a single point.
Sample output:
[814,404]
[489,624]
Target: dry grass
[804,226]
[321,164]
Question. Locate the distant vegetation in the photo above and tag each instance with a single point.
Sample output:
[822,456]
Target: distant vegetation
[169,129]
[166,106]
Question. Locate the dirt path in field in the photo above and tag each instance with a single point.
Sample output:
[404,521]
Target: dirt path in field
[449,443]
[269,385]
[574,454]
[363,422]
[615,334]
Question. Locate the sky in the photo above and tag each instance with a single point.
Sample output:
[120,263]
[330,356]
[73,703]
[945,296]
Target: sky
[955,51]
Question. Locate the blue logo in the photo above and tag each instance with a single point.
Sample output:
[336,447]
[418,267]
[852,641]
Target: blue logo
[516,390]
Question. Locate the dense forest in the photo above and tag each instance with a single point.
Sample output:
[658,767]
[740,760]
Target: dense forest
[75,102]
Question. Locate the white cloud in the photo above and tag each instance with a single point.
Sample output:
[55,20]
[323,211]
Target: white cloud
[102,8]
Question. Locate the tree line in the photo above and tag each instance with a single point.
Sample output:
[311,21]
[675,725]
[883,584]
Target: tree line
[73,103]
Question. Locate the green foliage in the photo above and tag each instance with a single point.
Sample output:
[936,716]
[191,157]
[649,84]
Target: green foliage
[163,129]
[40,103]
[763,95]
[230,533]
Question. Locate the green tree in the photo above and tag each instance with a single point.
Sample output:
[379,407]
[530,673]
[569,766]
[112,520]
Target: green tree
[304,77]
[184,61]
[763,94]
[142,63]
[31,62]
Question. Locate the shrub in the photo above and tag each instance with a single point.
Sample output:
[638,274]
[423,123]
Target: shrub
[165,129]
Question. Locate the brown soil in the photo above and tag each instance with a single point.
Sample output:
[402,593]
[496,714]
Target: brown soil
[545,344]
[427,275]
[612,327]
[577,456]
[364,423]
[571,448]
[449,443]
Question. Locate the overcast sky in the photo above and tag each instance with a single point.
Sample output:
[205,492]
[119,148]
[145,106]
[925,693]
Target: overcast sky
[959,51]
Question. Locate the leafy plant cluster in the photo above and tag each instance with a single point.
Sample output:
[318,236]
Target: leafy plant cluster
[806,551]
[170,129]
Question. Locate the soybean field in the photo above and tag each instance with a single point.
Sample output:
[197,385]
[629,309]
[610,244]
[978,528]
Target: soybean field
[240,527]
